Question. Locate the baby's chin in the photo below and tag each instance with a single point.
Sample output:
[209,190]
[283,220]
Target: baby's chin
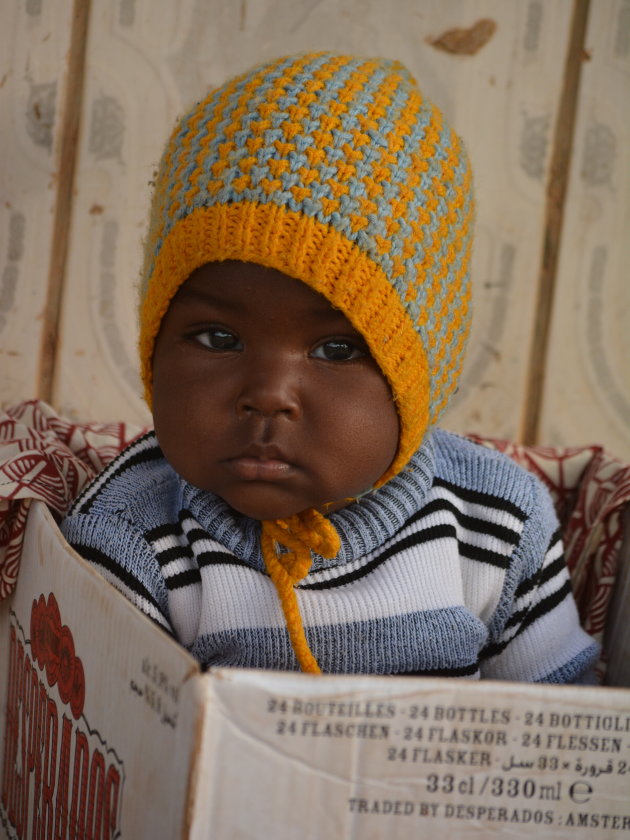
[264,512]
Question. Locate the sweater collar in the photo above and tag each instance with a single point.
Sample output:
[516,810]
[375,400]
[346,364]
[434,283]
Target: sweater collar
[362,526]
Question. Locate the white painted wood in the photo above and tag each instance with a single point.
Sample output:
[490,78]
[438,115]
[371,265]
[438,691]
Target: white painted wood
[504,101]
[34,42]
[587,392]
[148,60]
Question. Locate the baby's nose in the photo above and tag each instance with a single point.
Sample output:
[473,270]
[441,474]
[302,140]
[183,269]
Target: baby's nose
[269,388]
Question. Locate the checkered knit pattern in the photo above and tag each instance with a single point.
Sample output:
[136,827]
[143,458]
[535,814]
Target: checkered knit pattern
[339,172]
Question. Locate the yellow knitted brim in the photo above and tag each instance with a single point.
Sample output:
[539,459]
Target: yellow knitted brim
[323,259]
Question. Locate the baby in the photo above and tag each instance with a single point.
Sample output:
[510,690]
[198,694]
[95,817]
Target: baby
[304,312]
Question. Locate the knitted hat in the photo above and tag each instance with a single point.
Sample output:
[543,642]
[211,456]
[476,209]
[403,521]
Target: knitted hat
[337,171]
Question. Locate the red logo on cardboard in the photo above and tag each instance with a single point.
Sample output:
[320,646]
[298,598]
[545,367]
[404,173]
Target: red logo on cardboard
[59,776]
[52,647]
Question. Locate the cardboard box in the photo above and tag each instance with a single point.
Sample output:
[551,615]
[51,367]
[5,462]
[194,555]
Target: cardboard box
[109,729]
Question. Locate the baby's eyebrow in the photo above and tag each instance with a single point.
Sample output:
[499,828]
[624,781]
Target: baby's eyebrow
[317,310]
[189,294]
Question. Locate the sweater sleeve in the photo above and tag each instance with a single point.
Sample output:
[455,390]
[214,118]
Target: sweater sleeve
[535,634]
[119,551]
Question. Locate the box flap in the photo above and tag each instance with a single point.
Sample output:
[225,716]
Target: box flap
[101,712]
[289,755]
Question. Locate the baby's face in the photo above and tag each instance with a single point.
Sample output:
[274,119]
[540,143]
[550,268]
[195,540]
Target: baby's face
[267,396]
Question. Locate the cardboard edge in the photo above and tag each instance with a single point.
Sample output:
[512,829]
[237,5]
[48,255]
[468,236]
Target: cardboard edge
[195,771]
[41,511]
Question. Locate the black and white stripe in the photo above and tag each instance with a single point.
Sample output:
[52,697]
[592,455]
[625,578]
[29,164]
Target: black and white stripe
[142,451]
[536,597]
[125,582]
[465,583]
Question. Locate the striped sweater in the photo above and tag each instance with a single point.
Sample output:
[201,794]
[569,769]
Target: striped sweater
[453,568]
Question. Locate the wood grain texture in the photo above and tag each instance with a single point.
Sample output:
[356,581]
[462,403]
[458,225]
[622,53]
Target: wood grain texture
[501,83]
[506,114]
[62,212]
[144,67]
[556,195]
[587,384]
[34,45]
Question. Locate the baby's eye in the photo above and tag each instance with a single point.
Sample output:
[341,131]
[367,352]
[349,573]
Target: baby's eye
[338,350]
[218,338]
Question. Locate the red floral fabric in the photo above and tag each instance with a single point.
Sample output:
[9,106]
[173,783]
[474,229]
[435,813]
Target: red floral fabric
[47,457]
[591,493]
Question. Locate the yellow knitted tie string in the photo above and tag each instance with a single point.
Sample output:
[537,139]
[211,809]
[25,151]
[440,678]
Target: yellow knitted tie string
[299,534]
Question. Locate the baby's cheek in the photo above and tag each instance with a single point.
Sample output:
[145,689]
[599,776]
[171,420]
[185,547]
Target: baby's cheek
[368,437]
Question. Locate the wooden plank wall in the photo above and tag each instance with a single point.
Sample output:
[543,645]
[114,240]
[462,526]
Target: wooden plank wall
[538,89]
[34,67]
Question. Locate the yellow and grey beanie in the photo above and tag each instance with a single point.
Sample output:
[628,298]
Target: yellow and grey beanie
[339,172]
[336,171]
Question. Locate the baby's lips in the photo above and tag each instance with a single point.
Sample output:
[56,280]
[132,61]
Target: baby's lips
[258,469]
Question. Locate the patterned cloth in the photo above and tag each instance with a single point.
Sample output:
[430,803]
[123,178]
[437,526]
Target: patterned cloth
[46,457]
[591,490]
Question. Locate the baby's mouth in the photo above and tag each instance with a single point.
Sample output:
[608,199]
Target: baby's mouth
[260,463]
[258,469]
